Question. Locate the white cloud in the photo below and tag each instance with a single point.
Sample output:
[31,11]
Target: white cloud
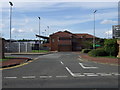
[108,32]
[108,22]
[14,30]
[62,0]
[2,25]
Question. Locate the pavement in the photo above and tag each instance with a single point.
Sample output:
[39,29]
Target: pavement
[18,59]
[61,70]
[104,60]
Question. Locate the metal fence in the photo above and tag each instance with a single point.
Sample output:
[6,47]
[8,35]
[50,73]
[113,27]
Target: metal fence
[18,47]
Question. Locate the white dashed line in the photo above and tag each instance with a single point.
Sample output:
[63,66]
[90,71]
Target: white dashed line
[11,77]
[87,67]
[62,63]
[61,76]
[45,76]
[28,77]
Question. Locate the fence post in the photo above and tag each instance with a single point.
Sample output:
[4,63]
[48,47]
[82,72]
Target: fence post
[19,46]
[26,47]
[1,48]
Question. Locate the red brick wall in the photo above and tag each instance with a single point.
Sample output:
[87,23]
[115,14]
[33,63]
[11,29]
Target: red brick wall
[54,43]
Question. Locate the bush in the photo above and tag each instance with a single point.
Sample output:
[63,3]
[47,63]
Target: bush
[111,47]
[86,50]
[97,52]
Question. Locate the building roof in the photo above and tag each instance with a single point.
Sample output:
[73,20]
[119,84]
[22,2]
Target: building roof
[68,34]
[62,34]
[44,37]
[85,35]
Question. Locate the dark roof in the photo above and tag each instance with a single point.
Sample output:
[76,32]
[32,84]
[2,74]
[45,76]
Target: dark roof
[44,37]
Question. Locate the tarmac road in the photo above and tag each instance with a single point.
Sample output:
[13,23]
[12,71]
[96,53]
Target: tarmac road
[61,70]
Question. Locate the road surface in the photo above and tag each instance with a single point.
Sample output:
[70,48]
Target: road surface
[61,70]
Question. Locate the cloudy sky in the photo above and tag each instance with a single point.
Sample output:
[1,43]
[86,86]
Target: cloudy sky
[75,16]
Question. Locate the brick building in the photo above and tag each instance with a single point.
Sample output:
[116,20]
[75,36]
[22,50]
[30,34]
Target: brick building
[67,41]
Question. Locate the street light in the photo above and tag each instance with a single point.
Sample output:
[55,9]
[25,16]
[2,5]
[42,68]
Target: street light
[94,30]
[11,4]
[48,30]
[39,33]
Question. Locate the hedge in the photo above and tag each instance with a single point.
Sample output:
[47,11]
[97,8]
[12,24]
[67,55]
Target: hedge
[86,50]
[111,47]
[98,52]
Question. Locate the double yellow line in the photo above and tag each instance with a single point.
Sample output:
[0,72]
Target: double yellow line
[17,65]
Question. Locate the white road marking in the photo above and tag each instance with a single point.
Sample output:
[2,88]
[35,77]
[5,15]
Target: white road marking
[104,74]
[80,59]
[87,67]
[92,75]
[116,74]
[11,77]
[76,75]
[69,71]
[88,73]
[61,76]
[28,77]
[45,76]
[62,63]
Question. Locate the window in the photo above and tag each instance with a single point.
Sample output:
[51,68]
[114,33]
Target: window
[64,38]
[53,40]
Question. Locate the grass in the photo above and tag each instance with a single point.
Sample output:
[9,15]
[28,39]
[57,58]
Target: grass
[108,57]
[37,51]
[6,58]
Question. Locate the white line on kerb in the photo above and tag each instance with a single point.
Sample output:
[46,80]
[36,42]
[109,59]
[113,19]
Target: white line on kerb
[10,77]
[87,67]
[45,76]
[28,77]
[62,63]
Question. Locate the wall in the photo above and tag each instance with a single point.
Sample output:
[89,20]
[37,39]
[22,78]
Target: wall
[1,48]
[118,41]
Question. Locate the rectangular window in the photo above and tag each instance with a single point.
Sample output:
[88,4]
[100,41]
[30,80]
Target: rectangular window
[53,40]
[64,38]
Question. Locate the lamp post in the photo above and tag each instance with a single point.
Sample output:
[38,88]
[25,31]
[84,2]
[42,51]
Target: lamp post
[48,30]
[94,30]
[39,33]
[11,4]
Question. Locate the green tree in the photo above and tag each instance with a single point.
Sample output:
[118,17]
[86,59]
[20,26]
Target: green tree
[111,47]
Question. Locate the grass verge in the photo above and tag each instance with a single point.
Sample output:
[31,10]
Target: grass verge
[41,51]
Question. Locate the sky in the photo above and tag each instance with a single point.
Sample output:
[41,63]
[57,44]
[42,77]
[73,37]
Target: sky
[75,16]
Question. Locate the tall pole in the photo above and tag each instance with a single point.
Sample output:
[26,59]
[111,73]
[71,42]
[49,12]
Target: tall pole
[48,30]
[39,33]
[11,4]
[94,31]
